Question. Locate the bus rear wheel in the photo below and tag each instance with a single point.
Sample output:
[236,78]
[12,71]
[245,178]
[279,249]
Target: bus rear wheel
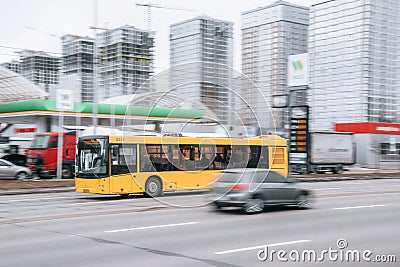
[153,187]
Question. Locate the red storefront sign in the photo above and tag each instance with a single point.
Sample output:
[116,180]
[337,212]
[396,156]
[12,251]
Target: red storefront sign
[25,130]
[368,127]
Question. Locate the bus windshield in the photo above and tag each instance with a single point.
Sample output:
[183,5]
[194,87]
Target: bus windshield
[40,142]
[92,157]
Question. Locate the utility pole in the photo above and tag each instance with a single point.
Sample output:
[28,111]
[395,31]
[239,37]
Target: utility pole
[149,6]
[95,69]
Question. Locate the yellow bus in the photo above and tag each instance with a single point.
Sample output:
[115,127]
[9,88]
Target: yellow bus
[156,164]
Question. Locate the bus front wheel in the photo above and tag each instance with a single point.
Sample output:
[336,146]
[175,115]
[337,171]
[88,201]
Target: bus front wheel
[153,187]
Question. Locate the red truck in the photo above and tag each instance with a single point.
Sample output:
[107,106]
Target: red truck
[42,155]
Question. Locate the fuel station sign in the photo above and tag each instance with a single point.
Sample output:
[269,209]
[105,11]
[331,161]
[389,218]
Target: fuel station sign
[299,137]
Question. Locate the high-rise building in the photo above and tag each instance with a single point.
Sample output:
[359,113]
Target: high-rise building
[269,35]
[42,69]
[77,60]
[354,48]
[13,65]
[201,58]
[125,56]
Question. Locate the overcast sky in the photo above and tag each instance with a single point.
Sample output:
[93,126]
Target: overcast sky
[35,24]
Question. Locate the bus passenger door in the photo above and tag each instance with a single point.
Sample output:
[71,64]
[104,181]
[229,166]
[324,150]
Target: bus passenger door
[123,168]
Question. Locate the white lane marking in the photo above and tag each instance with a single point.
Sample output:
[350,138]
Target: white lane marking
[150,227]
[358,182]
[328,188]
[80,203]
[359,207]
[262,246]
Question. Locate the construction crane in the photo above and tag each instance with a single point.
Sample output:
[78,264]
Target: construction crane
[149,6]
[43,32]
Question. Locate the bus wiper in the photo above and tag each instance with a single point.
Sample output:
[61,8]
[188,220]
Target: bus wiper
[86,173]
[93,174]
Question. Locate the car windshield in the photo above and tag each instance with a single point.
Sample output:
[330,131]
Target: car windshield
[92,157]
[235,177]
[40,142]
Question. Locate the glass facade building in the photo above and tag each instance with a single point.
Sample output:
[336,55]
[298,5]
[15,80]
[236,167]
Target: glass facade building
[201,58]
[354,48]
[269,35]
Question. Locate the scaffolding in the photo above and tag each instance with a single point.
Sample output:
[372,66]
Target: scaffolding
[40,68]
[78,60]
[125,60]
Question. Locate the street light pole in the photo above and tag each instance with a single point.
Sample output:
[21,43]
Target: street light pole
[95,70]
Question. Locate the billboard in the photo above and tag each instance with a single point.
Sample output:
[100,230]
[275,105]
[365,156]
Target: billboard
[65,100]
[298,70]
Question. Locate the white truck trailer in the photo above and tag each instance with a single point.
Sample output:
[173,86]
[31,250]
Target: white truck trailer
[327,151]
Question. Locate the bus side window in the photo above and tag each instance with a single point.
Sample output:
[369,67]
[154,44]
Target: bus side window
[114,159]
[254,157]
[264,162]
[221,157]
[145,160]
[125,160]
[239,156]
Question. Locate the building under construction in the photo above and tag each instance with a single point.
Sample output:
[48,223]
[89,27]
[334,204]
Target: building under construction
[13,65]
[125,61]
[42,69]
[77,60]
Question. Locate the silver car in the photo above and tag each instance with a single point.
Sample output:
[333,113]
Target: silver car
[9,170]
[253,189]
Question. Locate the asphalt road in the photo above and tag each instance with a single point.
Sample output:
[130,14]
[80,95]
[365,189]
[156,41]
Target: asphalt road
[69,229]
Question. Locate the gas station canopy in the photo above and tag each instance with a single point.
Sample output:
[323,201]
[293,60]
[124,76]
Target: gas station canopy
[41,107]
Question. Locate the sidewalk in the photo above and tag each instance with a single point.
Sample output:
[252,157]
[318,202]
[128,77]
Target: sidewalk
[21,191]
[13,187]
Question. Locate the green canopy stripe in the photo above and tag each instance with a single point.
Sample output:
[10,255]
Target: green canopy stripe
[84,107]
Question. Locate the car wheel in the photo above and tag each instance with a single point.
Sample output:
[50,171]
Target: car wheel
[304,170]
[253,205]
[216,206]
[304,201]
[337,170]
[153,187]
[21,176]
[66,172]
